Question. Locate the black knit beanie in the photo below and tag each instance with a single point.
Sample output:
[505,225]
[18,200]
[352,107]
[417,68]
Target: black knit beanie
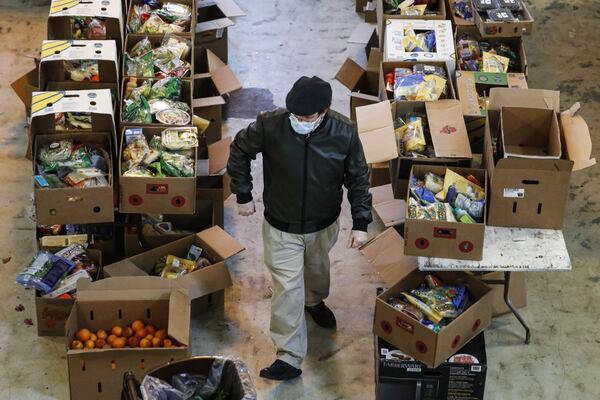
[308,96]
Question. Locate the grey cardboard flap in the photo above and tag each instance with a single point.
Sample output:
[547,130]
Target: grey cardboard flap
[230,8]
[448,130]
[213,25]
[350,74]
[386,255]
[362,33]
[529,98]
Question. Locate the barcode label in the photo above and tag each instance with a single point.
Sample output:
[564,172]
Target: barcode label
[413,369]
[514,193]
[475,368]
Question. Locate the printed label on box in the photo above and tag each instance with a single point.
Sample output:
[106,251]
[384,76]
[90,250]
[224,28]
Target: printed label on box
[514,193]
[79,50]
[405,325]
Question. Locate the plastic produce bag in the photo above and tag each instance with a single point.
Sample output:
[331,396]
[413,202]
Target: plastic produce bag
[180,138]
[177,165]
[137,111]
[45,272]
[142,66]
[167,88]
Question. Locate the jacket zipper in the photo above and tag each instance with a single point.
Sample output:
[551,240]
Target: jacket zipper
[304,184]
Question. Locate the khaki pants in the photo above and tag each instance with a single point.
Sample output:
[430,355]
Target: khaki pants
[299,266]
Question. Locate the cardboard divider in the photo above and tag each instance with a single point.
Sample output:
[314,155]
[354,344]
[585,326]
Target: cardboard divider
[186,33]
[172,195]
[445,239]
[76,205]
[156,41]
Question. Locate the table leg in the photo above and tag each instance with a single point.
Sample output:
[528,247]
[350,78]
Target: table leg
[513,309]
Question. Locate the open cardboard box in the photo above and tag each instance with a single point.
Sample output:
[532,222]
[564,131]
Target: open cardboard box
[156,41]
[171,195]
[185,97]
[186,33]
[401,273]
[532,193]
[55,52]
[393,49]
[217,246]
[390,66]
[489,28]
[213,80]
[370,10]
[52,314]
[383,17]
[529,133]
[76,205]
[97,102]
[98,374]
[445,239]
[61,11]
[456,20]
[213,19]
[363,83]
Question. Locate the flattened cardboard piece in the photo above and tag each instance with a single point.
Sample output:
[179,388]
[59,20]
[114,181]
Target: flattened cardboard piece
[215,24]
[26,85]
[448,129]
[470,85]
[228,7]
[530,133]
[218,154]
[391,211]
[220,242]
[376,132]
[362,34]
[577,139]
[222,75]
[386,255]
[208,101]
[444,40]
[350,74]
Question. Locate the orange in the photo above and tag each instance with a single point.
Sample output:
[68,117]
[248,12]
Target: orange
[127,332]
[157,342]
[84,334]
[149,337]
[89,344]
[110,339]
[167,343]
[101,334]
[100,343]
[161,333]
[93,337]
[76,345]
[141,333]
[145,343]
[150,329]
[117,330]
[119,343]
[133,342]
[137,325]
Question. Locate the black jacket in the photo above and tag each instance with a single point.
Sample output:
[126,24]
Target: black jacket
[303,174]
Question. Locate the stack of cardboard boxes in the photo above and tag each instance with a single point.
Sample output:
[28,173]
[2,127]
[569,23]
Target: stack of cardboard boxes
[511,139]
[85,105]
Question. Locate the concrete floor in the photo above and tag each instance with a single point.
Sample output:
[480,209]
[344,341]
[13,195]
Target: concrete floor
[276,43]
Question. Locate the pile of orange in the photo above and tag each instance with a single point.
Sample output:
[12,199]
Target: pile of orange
[135,335]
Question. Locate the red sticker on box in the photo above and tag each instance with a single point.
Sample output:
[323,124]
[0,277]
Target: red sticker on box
[456,341]
[135,200]
[178,201]
[466,246]
[422,243]
[154,188]
[405,325]
[386,326]
[421,347]
[476,325]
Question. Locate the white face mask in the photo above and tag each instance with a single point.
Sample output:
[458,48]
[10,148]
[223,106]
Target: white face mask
[305,127]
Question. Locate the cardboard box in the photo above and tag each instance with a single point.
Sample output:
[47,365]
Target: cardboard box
[52,314]
[76,205]
[98,374]
[156,41]
[461,377]
[215,188]
[370,10]
[97,102]
[55,52]
[448,135]
[390,66]
[456,20]
[61,11]
[390,210]
[440,238]
[470,86]
[517,292]
[529,133]
[213,80]
[515,43]
[383,17]
[186,33]
[213,19]
[218,247]
[363,83]
[379,174]
[489,28]
[401,273]
[394,49]
[532,193]
[186,97]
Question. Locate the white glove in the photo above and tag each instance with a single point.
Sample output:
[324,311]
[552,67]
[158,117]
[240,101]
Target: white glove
[246,209]
[357,239]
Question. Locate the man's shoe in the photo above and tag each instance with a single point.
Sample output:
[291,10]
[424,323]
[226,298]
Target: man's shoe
[280,371]
[322,315]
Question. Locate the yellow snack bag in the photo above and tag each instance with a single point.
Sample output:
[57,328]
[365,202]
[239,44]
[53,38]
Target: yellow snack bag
[177,266]
[494,63]
[412,137]
[431,89]
[414,10]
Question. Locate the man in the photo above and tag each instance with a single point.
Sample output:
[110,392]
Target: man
[309,152]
